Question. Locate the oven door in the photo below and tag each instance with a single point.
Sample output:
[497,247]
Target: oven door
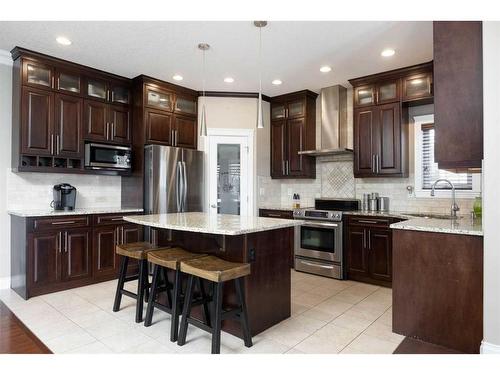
[319,240]
[102,156]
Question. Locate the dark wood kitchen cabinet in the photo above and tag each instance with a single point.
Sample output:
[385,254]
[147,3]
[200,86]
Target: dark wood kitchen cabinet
[54,253]
[158,127]
[458,96]
[53,116]
[381,122]
[293,129]
[369,249]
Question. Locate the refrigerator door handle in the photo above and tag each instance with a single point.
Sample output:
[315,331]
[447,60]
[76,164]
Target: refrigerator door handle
[178,178]
[184,190]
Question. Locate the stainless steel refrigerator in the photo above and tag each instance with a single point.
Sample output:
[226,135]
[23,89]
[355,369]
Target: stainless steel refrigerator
[173,180]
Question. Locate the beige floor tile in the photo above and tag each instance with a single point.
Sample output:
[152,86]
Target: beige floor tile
[297,308]
[321,315]
[93,318]
[372,345]
[109,328]
[292,331]
[354,294]
[368,313]
[334,306]
[294,351]
[302,286]
[352,321]
[386,318]
[64,300]
[96,347]
[46,332]
[125,340]
[383,332]
[308,299]
[150,347]
[376,307]
[263,345]
[72,340]
[330,339]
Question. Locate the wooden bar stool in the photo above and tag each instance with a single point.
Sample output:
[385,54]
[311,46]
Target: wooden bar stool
[171,259]
[218,271]
[139,251]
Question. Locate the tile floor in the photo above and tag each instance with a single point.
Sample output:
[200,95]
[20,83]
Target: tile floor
[328,316]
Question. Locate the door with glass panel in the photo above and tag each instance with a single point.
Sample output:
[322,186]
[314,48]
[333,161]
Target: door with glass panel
[228,175]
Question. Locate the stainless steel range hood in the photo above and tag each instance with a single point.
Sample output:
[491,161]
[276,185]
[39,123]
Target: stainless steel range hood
[334,129]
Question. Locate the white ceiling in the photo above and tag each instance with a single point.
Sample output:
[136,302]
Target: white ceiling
[292,51]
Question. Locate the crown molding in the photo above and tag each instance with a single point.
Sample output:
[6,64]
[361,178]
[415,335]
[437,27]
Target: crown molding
[5,58]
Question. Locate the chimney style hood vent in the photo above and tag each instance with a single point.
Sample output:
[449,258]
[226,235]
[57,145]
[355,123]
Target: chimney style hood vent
[334,130]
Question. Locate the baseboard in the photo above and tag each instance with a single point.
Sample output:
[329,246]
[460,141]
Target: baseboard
[489,348]
[4,282]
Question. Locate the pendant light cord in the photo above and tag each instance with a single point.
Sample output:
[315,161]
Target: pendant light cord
[204,76]
[260,60]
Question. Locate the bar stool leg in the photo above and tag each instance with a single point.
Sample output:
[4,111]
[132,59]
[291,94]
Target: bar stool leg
[167,287]
[206,309]
[186,311]
[121,283]
[174,325]
[140,290]
[247,337]
[217,319]
[152,296]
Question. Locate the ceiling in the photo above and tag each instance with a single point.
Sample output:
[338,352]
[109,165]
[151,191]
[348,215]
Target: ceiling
[293,51]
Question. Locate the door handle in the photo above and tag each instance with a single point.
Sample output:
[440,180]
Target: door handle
[364,238]
[287,167]
[184,186]
[378,163]
[283,167]
[179,186]
[57,144]
[52,144]
[65,242]
[373,163]
[112,96]
[62,222]
[213,205]
[123,235]
[53,82]
[59,240]
[369,240]
[113,131]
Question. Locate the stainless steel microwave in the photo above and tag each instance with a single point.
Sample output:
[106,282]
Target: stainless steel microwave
[105,156]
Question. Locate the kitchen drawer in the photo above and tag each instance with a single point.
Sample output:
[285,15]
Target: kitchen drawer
[60,222]
[276,214]
[371,221]
[107,219]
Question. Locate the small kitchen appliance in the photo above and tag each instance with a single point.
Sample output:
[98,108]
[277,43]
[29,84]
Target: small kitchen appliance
[64,197]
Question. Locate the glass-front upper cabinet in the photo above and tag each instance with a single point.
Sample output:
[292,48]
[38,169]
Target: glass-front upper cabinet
[159,99]
[37,74]
[96,89]
[417,86]
[119,94]
[278,111]
[185,104]
[364,95]
[69,82]
[296,108]
[388,92]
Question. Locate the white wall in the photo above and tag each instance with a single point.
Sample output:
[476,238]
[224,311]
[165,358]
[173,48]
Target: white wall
[491,176]
[241,113]
[5,150]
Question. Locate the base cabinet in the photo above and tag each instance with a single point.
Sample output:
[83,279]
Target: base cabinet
[80,251]
[369,250]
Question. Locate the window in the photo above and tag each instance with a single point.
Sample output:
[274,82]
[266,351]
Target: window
[427,171]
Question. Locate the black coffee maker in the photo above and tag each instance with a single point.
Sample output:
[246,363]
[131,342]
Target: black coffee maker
[64,197]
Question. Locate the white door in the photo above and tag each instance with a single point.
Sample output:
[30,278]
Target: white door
[229,174]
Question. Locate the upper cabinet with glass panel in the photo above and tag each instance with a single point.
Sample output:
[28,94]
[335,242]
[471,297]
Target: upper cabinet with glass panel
[364,96]
[119,94]
[278,111]
[159,99]
[96,89]
[388,92]
[417,87]
[186,105]
[38,74]
[69,82]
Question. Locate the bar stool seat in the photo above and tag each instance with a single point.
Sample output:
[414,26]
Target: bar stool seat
[135,250]
[138,251]
[171,259]
[215,269]
[218,271]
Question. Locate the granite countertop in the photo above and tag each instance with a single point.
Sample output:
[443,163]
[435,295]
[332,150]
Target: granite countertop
[454,226]
[77,211]
[396,214]
[201,222]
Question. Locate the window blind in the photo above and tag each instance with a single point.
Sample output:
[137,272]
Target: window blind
[430,170]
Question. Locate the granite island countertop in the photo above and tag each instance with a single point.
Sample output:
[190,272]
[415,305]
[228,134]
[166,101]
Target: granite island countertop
[462,225]
[201,222]
[77,211]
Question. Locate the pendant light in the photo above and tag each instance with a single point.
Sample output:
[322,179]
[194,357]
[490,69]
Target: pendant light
[203,122]
[260,115]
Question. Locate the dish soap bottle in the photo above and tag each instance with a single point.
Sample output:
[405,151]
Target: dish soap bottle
[296,200]
[478,207]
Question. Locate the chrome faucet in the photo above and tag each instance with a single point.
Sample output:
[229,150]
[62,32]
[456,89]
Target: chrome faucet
[454,205]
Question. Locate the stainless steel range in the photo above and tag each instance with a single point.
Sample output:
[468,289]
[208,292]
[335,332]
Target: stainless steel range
[319,242]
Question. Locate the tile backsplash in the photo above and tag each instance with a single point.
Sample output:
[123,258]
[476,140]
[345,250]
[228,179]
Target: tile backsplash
[335,179]
[34,190]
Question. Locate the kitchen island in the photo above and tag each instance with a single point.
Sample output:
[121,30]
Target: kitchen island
[265,243]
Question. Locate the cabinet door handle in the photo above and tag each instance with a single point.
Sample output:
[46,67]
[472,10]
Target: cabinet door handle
[57,144]
[369,240]
[65,242]
[283,167]
[112,96]
[176,136]
[53,82]
[52,144]
[59,240]
[113,130]
[373,163]
[378,163]
[123,236]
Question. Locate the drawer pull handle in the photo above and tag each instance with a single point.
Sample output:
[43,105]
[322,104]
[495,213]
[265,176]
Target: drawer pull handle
[63,222]
[274,215]
[316,265]
[117,218]
[371,222]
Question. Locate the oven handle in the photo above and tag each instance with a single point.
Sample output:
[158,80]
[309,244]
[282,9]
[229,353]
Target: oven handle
[316,265]
[318,225]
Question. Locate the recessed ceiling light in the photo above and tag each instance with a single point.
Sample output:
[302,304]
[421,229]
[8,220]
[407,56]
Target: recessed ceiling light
[277,82]
[229,80]
[388,52]
[63,40]
[177,77]
[325,69]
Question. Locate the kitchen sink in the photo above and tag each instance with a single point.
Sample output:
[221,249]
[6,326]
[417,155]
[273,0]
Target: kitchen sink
[432,216]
